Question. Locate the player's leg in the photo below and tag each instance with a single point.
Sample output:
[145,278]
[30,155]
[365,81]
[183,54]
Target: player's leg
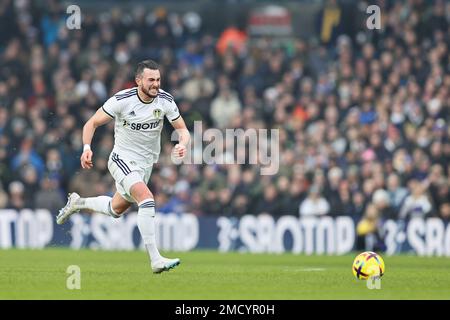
[147,226]
[113,207]
[146,217]
[119,205]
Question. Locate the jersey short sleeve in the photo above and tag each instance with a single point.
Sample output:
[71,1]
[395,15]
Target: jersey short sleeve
[112,107]
[172,112]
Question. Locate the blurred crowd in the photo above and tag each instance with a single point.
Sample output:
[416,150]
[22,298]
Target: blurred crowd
[363,121]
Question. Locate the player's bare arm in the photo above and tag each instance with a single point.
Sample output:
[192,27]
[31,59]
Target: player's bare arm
[183,137]
[98,119]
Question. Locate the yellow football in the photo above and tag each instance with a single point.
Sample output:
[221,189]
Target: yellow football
[368,264]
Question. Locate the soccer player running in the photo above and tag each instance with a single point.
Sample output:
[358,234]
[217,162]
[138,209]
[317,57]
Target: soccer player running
[138,115]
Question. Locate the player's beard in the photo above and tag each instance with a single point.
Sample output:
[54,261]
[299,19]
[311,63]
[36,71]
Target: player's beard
[151,95]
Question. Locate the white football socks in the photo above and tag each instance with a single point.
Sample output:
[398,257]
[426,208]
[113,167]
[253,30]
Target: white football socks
[100,204]
[147,227]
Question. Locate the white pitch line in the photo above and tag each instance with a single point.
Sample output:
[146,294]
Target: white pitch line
[313,269]
[305,269]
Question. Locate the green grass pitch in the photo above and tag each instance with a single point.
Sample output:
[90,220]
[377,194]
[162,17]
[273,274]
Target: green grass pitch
[204,275]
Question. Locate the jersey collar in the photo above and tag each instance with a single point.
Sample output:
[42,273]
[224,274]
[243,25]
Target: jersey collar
[146,102]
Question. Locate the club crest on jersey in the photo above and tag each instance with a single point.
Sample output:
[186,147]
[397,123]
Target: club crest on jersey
[157,113]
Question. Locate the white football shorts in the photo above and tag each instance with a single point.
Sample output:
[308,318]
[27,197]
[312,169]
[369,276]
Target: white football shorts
[126,173]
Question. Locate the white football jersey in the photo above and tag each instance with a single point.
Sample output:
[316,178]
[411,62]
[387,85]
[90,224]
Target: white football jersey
[138,125]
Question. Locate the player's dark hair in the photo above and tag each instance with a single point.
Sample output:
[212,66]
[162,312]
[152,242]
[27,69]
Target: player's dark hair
[146,64]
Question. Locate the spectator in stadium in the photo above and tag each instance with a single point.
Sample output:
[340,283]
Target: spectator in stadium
[3,197]
[231,38]
[27,156]
[240,206]
[437,185]
[269,202]
[444,211]
[198,87]
[49,196]
[397,193]
[16,196]
[6,176]
[179,202]
[224,108]
[367,230]
[417,203]
[295,195]
[334,178]
[30,181]
[359,203]
[314,204]
[344,204]
[195,205]
[382,202]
